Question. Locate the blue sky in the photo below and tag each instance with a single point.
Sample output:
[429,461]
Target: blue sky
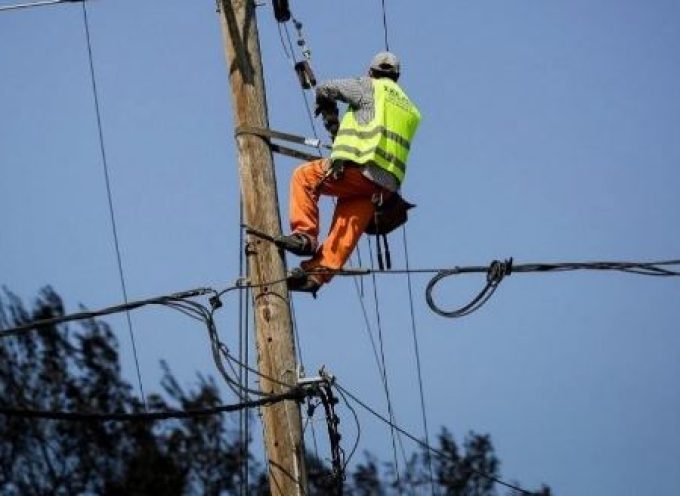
[551,132]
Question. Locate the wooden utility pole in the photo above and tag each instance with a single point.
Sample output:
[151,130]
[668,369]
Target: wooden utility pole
[275,345]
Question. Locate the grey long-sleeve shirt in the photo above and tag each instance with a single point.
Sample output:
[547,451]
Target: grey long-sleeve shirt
[358,94]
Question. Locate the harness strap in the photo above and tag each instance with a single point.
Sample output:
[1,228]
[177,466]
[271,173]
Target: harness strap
[378,252]
[380,241]
[388,256]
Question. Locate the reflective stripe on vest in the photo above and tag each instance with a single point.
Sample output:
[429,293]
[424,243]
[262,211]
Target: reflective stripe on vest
[386,140]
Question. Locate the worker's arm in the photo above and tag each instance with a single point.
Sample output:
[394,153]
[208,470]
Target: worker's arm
[356,92]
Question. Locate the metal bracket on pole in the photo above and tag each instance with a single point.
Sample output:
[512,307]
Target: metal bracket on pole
[269,134]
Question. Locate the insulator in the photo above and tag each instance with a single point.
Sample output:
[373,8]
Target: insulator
[281,10]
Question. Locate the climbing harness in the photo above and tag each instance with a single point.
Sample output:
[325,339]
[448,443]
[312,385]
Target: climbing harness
[269,134]
[334,171]
[390,213]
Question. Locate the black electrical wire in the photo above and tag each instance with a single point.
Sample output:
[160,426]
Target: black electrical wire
[243,353]
[219,352]
[498,270]
[297,394]
[109,195]
[384,19]
[427,446]
[159,300]
[358,426]
[35,4]
[416,350]
[385,382]
[229,356]
[657,268]
[177,301]
[308,108]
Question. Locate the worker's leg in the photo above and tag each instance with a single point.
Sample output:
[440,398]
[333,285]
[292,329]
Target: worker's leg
[304,197]
[353,212]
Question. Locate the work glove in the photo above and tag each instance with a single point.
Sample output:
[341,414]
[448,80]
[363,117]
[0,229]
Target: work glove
[331,123]
[324,105]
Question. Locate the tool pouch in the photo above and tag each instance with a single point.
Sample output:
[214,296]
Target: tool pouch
[389,213]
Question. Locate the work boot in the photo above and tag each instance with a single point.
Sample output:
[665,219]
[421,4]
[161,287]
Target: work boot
[296,243]
[299,280]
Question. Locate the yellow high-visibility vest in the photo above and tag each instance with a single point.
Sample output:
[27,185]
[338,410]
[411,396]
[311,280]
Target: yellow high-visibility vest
[386,140]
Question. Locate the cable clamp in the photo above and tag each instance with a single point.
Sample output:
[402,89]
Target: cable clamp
[498,270]
[215,302]
[323,378]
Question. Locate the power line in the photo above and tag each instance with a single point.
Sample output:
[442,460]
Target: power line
[497,271]
[384,19]
[384,371]
[109,196]
[35,4]
[243,353]
[657,269]
[294,394]
[416,350]
[159,300]
[427,446]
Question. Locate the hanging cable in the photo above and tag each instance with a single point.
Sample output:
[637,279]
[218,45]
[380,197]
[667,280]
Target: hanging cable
[358,426]
[498,270]
[109,195]
[658,269]
[428,447]
[159,300]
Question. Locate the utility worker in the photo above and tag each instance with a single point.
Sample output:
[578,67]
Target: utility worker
[368,159]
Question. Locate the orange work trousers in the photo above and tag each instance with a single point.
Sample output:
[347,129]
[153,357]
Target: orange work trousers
[353,211]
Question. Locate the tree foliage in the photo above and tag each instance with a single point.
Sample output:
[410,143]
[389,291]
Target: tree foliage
[76,368]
